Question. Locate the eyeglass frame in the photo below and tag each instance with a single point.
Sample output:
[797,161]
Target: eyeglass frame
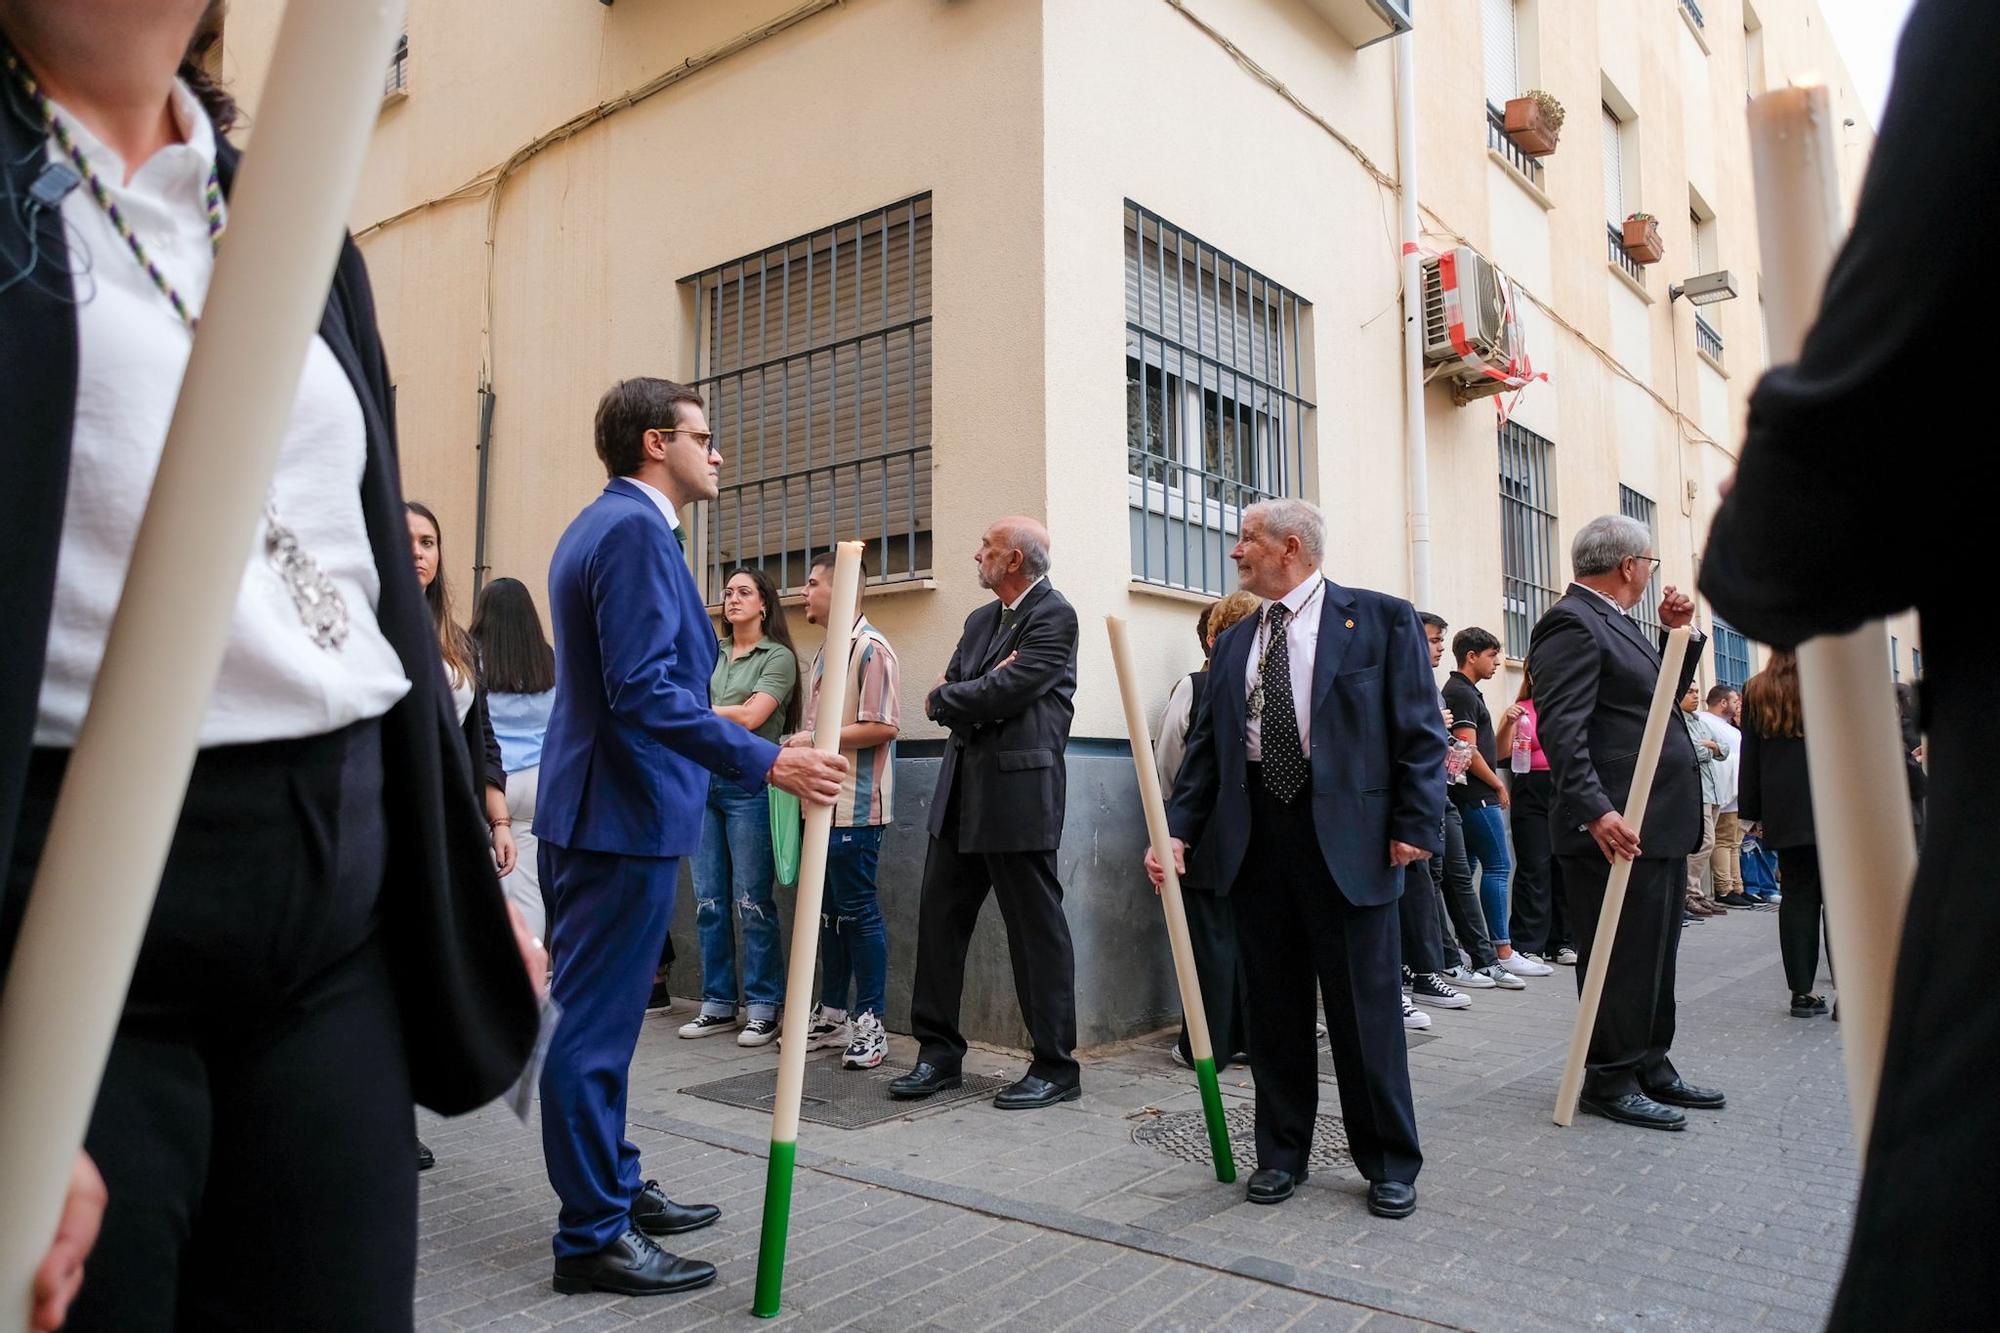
[707,436]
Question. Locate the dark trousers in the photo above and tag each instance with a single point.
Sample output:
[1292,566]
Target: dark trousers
[1211,923]
[955,887]
[1294,929]
[253,1124]
[1420,921]
[611,914]
[1799,916]
[1534,906]
[1635,1022]
[1451,874]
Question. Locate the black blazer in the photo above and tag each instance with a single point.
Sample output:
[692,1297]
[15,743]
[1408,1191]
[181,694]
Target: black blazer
[1776,790]
[1004,759]
[1594,674]
[482,747]
[469,1014]
[1377,749]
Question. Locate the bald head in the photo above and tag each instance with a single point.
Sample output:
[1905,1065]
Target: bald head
[1012,554]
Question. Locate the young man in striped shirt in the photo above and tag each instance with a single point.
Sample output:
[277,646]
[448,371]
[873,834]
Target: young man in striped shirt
[853,941]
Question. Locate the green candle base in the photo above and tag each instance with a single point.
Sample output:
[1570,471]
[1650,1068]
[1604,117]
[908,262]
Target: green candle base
[778,1222]
[1218,1129]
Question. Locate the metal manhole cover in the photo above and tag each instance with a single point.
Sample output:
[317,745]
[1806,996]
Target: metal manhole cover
[1184,1135]
[841,1098]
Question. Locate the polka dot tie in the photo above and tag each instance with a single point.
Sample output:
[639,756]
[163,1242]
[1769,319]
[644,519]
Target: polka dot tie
[1284,767]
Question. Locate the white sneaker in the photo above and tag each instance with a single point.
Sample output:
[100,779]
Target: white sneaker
[1471,980]
[1432,990]
[709,1025]
[1504,979]
[870,1044]
[1566,956]
[1414,1019]
[825,1033]
[758,1032]
[1526,965]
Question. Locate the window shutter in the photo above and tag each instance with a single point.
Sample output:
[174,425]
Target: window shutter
[1501,33]
[1614,168]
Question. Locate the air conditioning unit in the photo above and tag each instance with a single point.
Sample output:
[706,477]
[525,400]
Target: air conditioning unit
[1365,22]
[1464,315]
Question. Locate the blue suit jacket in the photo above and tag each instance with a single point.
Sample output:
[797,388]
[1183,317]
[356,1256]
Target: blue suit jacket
[1377,749]
[631,730]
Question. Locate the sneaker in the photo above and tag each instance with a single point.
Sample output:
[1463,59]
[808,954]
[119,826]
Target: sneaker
[1504,979]
[1808,1006]
[870,1044]
[758,1032]
[1526,965]
[1768,898]
[825,1033]
[1432,990]
[1566,956]
[660,999]
[1468,978]
[1319,1031]
[1414,1019]
[709,1025]
[1179,1056]
[1409,978]
[1736,900]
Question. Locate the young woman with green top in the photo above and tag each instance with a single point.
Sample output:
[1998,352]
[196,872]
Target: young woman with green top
[756,684]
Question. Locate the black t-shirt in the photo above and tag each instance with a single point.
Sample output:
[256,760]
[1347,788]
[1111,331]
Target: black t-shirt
[1468,708]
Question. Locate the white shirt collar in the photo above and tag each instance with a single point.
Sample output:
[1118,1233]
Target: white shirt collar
[1295,600]
[1610,601]
[1015,605]
[195,152]
[659,498]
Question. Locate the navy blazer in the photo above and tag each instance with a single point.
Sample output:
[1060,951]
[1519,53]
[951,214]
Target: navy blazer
[631,730]
[1377,749]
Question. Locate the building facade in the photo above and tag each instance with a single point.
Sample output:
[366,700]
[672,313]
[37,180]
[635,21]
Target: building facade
[1126,265]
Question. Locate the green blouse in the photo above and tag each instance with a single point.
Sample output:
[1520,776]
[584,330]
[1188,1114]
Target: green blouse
[769,668]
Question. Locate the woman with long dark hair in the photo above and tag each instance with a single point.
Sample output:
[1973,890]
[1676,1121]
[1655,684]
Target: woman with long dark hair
[519,670]
[1776,793]
[755,684]
[328,940]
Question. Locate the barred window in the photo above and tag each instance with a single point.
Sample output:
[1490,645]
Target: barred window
[1527,533]
[1647,612]
[1215,413]
[814,357]
[1732,654]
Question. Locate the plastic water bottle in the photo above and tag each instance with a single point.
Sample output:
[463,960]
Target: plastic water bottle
[1523,758]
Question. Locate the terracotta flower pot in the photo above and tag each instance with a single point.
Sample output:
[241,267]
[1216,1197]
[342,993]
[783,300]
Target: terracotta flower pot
[1528,127]
[1642,240]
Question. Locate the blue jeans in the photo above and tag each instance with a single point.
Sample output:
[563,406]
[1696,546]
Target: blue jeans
[853,941]
[1486,843]
[735,862]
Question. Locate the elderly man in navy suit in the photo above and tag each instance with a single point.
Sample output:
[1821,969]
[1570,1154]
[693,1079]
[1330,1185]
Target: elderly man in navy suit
[1313,776]
[625,764]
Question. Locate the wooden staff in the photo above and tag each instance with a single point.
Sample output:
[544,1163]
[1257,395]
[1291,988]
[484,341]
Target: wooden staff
[1666,694]
[94,888]
[1868,850]
[1200,1049]
[805,942]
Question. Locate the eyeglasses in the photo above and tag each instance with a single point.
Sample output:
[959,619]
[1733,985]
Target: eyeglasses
[701,436]
[1652,560]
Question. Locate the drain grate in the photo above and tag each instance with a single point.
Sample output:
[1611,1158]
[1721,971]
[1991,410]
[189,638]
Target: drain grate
[1184,1135]
[841,1098]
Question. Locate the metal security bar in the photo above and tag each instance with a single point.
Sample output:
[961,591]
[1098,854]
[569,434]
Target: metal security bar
[1216,416]
[814,357]
[1497,140]
[1693,12]
[1732,653]
[397,80]
[1647,613]
[1707,340]
[1615,239]
[1527,533]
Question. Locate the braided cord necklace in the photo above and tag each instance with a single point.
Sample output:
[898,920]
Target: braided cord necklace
[321,607]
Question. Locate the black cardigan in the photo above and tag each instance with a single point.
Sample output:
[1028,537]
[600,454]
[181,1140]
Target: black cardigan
[469,1014]
[1776,789]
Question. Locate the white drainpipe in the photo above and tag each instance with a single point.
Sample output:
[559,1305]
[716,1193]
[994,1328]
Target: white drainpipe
[1413,328]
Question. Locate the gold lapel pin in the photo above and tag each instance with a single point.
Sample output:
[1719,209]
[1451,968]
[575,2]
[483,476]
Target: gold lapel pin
[1350,624]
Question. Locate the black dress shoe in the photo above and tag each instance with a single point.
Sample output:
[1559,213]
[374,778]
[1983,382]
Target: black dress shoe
[1270,1185]
[1808,1006]
[1032,1093]
[1392,1198]
[924,1080]
[631,1266]
[657,1215]
[425,1161]
[1635,1108]
[1682,1093]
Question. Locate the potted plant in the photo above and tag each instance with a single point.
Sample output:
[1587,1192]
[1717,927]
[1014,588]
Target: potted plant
[1534,120]
[1642,238]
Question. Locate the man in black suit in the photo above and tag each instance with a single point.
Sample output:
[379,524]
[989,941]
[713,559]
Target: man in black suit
[1594,673]
[996,821]
[1313,776]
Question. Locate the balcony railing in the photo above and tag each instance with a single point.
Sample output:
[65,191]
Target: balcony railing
[1497,140]
[1693,12]
[1615,245]
[1707,340]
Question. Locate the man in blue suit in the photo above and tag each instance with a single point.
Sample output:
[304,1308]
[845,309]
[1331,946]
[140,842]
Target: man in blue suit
[625,764]
[1314,774]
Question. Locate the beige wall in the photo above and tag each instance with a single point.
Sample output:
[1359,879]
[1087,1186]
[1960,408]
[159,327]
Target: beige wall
[1031,121]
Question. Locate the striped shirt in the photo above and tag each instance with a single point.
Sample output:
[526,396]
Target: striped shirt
[867,793]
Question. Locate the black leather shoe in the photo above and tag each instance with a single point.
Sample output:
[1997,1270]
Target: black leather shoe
[1808,1006]
[1680,1092]
[631,1266]
[1032,1093]
[1271,1185]
[657,1215]
[924,1080]
[1635,1108]
[425,1161]
[1392,1198]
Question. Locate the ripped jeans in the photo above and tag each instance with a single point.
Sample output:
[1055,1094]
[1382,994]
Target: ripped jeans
[853,941]
[734,862]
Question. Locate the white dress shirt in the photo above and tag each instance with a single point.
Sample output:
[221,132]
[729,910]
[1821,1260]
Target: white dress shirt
[1729,771]
[1015,605]
[1302,643]
[659,498]
[132,350]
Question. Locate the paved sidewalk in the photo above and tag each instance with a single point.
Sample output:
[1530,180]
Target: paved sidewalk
[970,1218]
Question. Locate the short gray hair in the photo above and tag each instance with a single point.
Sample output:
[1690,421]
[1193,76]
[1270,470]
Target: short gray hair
[1031,540]
[1289,517]
[1607,542]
